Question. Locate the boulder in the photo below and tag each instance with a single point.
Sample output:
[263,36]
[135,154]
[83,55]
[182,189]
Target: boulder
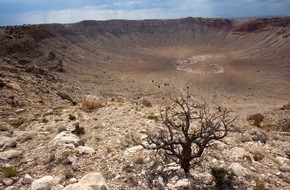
[10,154]
[91,181]
[27,179]
[255,119]
[57,187]
[77,186]
[44,183]
[184,184]
[282,161]
[94,180]
[131,150]
[258,135]
[238,169]
[240,153]
[66,137]
[7,142]
[91,102]
[7,181]
[86,150]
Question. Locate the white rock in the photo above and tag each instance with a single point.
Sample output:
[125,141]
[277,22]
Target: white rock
[7,181]
[27,179]
[94,180]
[66,137]
[91,102]
[20,110]
[282,161]
[78,186]
[44,183]
[238,152]
[133,149]
[85,150]
[57,187]
[72,180]
[9,154]
[59,179]
[238,169]
[184,184]
[7,142]
[10,188]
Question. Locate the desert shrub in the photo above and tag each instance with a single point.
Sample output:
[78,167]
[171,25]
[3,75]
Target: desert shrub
[44,120]
[152,117]
[9,171]
[260,185]
[189,127]
[68,173]
[258,156]
[223,178]
[79,130]
[146,102]
[139,159]
[71,117]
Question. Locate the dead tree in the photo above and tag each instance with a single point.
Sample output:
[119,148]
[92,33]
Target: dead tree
[189,127]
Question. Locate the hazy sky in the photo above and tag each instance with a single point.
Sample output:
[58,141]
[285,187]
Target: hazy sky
[67,11]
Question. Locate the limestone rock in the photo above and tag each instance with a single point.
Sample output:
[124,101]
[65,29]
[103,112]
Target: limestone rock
[7,181]
[94,180]
[258,135]
[57,187]
[44,183]
[66,137]
[238,169]
[184,184]
[255,119]
[133,149]
[9,154]
[282,161]
[77,186]
[91,181]
[7,142]
[240,153]
[10,188]
[27,179]
[59,179]
[72,180]
[91,102]
[86,150]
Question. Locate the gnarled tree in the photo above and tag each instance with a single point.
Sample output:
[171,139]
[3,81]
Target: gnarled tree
[189,127]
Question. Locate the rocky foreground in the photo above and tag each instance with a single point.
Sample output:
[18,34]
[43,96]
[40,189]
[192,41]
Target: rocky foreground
[52,138]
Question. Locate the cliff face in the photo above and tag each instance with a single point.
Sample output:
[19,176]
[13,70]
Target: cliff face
[187,31]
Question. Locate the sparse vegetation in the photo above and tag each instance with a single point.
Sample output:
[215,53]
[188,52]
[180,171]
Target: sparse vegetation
[258,156]
[152,117]
[68,173]
[9,171]
[139,159]
[146,103]
[260,185]
[79,130]
[223,179]
[71,117]
[189,128]
[44,120]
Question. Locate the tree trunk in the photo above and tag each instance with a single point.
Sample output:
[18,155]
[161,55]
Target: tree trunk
[185,161]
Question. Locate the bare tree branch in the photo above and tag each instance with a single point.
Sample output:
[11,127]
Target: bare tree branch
[189,128]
